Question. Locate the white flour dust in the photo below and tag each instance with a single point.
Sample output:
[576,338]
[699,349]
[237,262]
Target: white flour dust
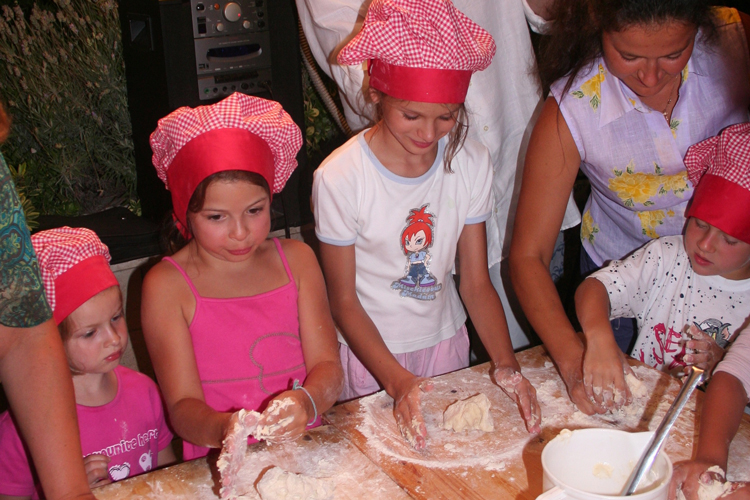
[653,394]
[446,449]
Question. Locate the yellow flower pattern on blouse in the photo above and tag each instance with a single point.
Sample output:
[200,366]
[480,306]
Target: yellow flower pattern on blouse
[677,183]
[673,124]
[638,187]
[588,228]
[592,88]
[726,16]
[649,221]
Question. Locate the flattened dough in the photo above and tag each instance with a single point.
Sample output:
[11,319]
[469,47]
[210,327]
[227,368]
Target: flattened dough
[278,484]
[469,414]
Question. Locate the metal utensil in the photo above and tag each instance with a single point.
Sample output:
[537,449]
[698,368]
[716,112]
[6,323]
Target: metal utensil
[694,378]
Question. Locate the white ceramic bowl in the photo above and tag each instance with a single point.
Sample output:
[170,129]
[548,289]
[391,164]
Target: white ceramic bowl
[594,464]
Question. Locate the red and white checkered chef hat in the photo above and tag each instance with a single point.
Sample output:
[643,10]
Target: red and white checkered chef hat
[75,266]
[719,167]
[241,132]
[420,50]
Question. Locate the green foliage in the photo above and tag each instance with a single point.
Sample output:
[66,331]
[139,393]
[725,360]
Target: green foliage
[63,78]
[319,126]
[23,189]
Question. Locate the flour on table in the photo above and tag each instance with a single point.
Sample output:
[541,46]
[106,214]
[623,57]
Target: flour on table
[469,414]
[637,388]
[278,484]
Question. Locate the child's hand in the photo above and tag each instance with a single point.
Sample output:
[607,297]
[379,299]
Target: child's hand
[604,368]
[286,417]
[234,445]
[688,476]
[707,352]
[96,469]
[739,490]
[520,390]
[407,411]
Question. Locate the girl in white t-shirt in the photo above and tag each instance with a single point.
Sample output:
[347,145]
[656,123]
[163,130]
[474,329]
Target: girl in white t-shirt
[402,204]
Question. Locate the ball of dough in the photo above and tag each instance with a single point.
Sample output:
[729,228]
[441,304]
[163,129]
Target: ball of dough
[469,414]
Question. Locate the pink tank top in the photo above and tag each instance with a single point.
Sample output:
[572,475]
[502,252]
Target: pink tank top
[247,348]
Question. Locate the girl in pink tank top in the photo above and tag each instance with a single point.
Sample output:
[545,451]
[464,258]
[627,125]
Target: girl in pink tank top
[234,320]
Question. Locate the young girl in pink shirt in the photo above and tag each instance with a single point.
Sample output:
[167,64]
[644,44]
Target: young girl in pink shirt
[234,320]
[120,413]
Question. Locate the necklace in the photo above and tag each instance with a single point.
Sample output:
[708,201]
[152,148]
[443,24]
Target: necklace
[669,101]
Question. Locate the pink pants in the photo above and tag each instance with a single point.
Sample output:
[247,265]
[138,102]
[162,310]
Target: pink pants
[447,356]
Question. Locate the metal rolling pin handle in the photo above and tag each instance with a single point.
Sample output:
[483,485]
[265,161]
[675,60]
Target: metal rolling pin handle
[696,377]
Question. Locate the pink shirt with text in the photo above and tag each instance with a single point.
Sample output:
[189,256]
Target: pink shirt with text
[130,429]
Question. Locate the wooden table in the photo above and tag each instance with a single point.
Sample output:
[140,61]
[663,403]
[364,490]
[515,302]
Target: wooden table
[505,463]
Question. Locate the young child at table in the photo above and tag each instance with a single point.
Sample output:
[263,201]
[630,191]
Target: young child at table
[696,284]
[723,408]
[120,413]
[402,203]
[233,320]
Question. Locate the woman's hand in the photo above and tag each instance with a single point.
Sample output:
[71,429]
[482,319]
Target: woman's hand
[604,368]
[96,469]
[706,352]
[286,417]
[520,390]
[573,378]
[407,411]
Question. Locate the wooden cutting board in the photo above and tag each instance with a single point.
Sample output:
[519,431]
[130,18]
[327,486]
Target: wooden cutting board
[506,463]
[321,453]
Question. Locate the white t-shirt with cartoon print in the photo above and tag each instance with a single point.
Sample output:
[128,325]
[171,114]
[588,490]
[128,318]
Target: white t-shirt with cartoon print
[405,232]
[657,286]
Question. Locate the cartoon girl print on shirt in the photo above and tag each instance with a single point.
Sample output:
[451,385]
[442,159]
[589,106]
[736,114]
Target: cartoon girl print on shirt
[416,239]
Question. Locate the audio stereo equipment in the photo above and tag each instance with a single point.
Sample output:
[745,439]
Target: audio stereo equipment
[196,52]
